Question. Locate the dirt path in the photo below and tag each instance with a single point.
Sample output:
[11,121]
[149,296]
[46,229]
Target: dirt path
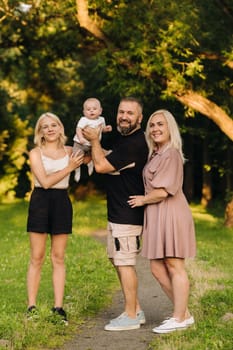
[92,336]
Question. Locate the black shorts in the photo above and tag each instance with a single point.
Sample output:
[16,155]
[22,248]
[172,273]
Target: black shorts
[50,211]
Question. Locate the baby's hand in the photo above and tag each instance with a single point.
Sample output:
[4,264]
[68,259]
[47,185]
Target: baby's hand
[107,128]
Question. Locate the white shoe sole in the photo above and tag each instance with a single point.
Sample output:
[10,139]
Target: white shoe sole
[110,327]
[163,331]
[172,325]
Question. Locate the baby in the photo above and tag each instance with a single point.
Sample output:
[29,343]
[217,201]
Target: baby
[92,117]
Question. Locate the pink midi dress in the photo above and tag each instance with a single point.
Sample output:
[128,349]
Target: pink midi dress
[168,225]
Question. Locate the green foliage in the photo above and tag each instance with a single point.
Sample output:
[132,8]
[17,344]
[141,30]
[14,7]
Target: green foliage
[154,49]
[3,139]
[14,156]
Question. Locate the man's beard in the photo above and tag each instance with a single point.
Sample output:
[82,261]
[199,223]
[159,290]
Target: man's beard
[126,130]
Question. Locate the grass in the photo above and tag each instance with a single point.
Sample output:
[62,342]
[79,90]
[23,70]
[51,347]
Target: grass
[91,280]
[211,299]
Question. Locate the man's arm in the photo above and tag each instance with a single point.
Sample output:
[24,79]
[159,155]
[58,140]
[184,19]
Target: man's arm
[101,164]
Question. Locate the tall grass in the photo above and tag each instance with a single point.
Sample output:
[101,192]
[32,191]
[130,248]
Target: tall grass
[211,299]
[90,278]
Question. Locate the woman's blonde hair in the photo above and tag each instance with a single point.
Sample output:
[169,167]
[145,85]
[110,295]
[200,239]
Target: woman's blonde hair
[38,136]
[175,137]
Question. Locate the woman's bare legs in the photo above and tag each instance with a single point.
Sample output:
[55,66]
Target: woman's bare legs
[172,277]
[180,286]
[58,246]
[38,247]
[160,272]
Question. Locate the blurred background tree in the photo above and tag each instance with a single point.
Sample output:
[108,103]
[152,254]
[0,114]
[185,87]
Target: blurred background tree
[174,55]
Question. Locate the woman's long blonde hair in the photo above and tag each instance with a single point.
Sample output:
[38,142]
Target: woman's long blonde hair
[175,137]
[38,137]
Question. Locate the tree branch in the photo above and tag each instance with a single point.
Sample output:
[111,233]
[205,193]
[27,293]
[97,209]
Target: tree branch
[209,109]
[86,22]
[215,57]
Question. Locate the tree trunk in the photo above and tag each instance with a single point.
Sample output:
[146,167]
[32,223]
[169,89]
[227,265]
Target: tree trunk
[188,168]
[229,187]
[229,214]
[229,167]
[206,176]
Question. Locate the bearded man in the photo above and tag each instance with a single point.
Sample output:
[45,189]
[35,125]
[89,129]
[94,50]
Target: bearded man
[123,167]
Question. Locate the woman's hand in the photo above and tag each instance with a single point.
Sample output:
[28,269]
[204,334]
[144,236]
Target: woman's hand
[76,159]
[136,201]
[155,196]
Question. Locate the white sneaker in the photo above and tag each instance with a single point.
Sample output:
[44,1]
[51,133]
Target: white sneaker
[170,325]
[190,321]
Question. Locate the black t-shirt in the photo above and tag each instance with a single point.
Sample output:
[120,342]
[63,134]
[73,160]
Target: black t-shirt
[128,157]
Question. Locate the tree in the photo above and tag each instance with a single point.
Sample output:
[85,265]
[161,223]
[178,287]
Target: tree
[166,52]
[38,73]
[172,42]
[177,47]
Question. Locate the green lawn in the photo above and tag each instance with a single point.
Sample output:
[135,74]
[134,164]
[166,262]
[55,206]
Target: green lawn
[91,280]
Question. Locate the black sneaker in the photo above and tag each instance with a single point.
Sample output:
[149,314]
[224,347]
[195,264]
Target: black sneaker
[32,312]
[58,311]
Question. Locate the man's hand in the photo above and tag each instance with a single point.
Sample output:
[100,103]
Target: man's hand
[91,134]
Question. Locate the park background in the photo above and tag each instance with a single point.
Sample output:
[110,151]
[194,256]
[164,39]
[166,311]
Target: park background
[176,55]
[173,55]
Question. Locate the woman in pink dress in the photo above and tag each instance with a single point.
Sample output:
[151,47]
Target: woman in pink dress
[168,232]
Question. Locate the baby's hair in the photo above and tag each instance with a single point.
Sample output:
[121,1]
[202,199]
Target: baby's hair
[91,99]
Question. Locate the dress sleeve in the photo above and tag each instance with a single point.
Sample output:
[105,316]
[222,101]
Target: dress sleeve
[167,171]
